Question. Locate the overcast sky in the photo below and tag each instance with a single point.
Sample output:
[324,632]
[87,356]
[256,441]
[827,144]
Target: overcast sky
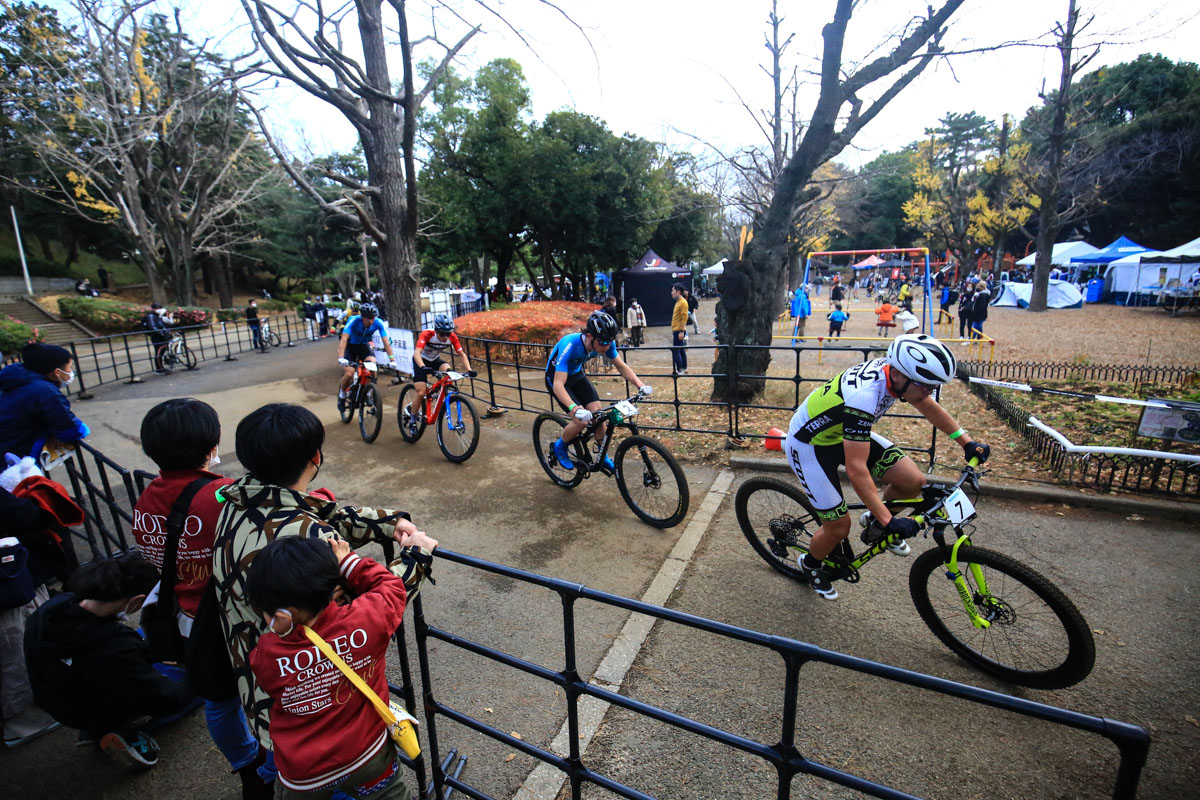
[678,71]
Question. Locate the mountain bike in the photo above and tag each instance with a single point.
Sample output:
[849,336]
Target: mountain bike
[363,397]
[175,353]
[651,482]
[455,417]
[266,335]
[994,612]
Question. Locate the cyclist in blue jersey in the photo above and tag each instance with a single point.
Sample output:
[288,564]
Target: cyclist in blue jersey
[355,345]
[571,388]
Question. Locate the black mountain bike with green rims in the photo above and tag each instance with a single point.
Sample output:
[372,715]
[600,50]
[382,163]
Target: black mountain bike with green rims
[651,482]
[363,397]
[996,613]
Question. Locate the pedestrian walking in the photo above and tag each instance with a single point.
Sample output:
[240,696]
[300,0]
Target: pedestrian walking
[679,317]
[635,318]
[966,304]
[693,308]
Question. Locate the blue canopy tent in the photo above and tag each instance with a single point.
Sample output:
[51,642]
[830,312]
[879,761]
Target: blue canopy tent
[1121,248]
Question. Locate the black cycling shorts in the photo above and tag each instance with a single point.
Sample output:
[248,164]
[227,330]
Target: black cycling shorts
[816,468]
[421,374]
[578,387]
[358,352]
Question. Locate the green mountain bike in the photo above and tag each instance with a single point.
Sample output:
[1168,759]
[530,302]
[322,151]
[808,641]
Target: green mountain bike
[996,613]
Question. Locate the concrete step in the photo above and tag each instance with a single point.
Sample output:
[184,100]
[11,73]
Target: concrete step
[53,331]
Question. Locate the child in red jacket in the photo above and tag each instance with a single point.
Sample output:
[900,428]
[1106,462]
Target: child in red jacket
[326,735]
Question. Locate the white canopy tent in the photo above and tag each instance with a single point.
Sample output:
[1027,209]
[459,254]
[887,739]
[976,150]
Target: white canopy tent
[1061,255]
[716,269]
[1137,279]
[1184,254]
[1059,294]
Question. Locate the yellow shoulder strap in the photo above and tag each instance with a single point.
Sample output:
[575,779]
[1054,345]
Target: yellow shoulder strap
[380,706]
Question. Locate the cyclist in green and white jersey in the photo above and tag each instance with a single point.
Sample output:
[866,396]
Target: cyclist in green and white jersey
[833,426]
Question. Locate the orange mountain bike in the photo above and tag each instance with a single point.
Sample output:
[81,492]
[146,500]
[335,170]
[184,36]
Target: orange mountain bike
[455,417]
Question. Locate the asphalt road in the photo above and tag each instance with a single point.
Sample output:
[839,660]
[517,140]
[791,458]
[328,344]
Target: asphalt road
[1134,580]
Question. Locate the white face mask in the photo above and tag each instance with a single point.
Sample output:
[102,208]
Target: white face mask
[70,377]
[214,459]
[271,622]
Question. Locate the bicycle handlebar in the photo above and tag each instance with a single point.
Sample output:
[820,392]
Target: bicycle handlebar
[967,475]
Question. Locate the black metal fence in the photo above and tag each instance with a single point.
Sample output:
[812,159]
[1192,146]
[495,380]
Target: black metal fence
[1138,374]
[1103,471]
[108,491]
[127,357]
[515,378]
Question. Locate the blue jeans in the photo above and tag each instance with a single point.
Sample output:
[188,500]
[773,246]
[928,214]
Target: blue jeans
[227,726]
[255,335]
[678,350]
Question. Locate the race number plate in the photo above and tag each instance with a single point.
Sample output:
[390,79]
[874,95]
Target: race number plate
[627,409]
[370,366]
[959,507]
[456,376]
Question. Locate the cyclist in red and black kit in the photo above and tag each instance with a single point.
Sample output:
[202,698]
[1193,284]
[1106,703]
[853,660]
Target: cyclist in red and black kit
[427,359]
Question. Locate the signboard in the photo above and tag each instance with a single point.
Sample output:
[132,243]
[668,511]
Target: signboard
[402,347]
[1178,422]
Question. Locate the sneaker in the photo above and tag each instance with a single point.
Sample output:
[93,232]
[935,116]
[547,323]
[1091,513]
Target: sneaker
[818,579]
[341,404]
[139,751]
[560,453]
[17,741]
[900,548]
[412,425]
[87,739]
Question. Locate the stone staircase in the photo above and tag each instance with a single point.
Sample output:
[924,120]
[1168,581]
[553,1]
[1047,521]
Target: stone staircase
[53,330]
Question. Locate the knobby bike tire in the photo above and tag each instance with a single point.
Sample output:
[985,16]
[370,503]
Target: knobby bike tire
[457,445]
[187,357]
[1037,638]
[347,412]
[778,521]
[370,414]
[546,429]
[656,492]
[406,397]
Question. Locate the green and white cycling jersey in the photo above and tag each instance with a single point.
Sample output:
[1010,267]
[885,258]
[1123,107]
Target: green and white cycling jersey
[844,407]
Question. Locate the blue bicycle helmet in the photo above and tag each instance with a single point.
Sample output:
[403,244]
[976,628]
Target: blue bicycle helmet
[368,310]
[443,324]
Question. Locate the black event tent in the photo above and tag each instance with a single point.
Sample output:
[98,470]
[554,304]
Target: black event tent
[650,281]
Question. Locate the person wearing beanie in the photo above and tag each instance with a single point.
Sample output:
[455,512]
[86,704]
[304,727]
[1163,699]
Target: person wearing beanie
[33,407]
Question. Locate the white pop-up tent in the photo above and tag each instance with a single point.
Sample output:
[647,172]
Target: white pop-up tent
[1059,294]
[1184,254]
[716,269]
[1061,255]
[1137,279]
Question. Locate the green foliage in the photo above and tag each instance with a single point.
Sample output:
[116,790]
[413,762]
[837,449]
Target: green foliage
[874,215]
[230,314]
[113,316]
[11,265]
[15,334]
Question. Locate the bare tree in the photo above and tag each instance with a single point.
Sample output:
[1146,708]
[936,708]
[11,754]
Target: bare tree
[150,137]
[309,47]
[753,287]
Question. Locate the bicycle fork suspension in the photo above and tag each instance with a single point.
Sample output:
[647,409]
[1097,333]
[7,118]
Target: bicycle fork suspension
[964,591]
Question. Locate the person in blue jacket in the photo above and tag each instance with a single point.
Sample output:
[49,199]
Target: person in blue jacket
[33,408]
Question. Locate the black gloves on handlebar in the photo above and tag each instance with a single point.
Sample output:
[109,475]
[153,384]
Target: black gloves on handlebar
[471,373]
[907,527]
[977,450]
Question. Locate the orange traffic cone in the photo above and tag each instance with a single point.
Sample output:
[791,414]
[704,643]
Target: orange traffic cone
[775,439]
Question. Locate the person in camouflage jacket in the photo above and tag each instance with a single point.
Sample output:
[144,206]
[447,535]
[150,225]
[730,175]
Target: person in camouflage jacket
[280,446]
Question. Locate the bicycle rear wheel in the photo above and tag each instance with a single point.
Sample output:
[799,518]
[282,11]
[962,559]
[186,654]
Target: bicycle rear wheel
[187,357]
[458,429]
[408,397]
[778,521]
[273,339]
[1037,637]
[651,482]
[547,428]
[370,414]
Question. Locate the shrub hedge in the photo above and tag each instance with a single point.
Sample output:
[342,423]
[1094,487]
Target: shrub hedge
[543,322]
[114,316]
[15,334]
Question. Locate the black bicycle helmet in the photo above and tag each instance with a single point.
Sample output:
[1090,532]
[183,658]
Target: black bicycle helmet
[368,310]
[602,326]
[443,324]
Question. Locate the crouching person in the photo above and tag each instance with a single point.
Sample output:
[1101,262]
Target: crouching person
[280,447]
[90,671]
[327,734]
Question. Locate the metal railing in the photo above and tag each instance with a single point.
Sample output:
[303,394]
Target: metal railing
[515,378]
[1132,742]
[1137,374]
[128,357]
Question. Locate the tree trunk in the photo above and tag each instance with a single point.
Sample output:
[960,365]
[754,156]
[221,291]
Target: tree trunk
[44,242]
[547,274]
[220,272]
[795,270]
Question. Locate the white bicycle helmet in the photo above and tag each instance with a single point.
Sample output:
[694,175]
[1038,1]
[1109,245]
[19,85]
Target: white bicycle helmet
[922,358]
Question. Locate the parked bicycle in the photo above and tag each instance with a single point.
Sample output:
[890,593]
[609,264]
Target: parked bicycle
[363,397]
[455,417]
[651,482]
[175,353]
[996,613]
[266,335]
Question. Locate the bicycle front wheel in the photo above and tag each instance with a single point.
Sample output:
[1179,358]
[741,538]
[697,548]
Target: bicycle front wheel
[370,414]
[458,429]
[547,428]
[187,357]
[651,482]
[778,521]
[347,412]
[273,339]
[408,397]
[1037,638]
